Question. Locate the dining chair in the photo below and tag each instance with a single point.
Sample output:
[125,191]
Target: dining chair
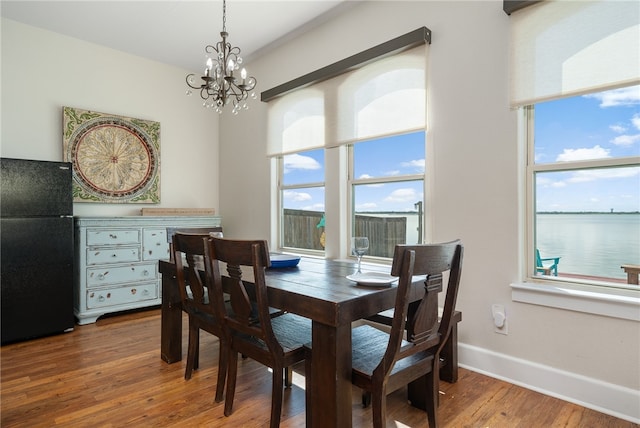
[384,362]
[276,342]
[195,293]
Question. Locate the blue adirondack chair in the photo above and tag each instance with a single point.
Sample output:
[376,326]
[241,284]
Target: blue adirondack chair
[545,268]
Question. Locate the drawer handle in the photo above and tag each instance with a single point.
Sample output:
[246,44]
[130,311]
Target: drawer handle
[145,292]
[114,255]
[145,273]
[101,298]
[112,236]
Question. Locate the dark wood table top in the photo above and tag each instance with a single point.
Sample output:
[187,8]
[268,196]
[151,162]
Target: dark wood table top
[316,288]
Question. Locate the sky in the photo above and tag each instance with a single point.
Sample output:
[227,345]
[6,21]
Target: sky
[595,126]
[385,157]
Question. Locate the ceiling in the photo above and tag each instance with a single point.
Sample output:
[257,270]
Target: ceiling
[174,32]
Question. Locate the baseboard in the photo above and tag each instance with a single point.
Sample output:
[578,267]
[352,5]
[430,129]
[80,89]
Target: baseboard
[614,400]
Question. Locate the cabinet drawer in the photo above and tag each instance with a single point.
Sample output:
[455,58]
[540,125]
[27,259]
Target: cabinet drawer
[113,236]
[112,255]
[154,244]
[122,295]
[120,274]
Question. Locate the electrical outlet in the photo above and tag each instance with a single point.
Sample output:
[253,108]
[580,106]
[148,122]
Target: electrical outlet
[499,319]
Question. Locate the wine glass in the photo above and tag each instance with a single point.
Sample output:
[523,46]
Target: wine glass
[360,247]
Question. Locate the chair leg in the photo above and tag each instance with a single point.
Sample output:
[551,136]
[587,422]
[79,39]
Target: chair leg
[288,377]
[223,363]
[196,361]
[276,396]
[379,408]
[231,381]
[308,385]
[192,351]
[366,399]
[433,398]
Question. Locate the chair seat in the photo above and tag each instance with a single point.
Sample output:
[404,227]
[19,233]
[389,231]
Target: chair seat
[292,331]
[368,347]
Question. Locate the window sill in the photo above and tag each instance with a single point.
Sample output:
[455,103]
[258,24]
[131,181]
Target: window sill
[620,303]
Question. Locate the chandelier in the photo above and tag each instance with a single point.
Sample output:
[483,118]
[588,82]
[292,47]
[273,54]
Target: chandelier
[220,84]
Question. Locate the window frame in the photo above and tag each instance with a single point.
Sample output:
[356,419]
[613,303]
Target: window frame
[592,297]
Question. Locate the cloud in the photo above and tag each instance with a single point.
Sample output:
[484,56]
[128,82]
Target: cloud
[402,195]
[626,140]
[635,120]
[297,161]
[365,176]
[296,196]
[619,129]
[618,97]
[586,175]
[314,207]
[416,164]
[596,152]
[367,206]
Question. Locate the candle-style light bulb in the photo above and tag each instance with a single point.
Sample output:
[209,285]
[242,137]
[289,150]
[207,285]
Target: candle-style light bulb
[243,74]
[231,67]
[209,66]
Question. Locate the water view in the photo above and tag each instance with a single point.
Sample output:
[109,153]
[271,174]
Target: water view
[590,244]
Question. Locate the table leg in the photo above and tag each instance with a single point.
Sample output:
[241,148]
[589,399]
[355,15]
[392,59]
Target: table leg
[329,383]
[171,321]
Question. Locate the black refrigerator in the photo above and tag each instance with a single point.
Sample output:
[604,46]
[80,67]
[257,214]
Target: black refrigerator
[36,248]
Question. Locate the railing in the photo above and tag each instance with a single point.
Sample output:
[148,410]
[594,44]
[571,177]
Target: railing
[633,272]
[301,231]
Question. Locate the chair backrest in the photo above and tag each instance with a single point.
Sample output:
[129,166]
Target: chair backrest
[188,255]
[250,306]
[190,230]
[432,260]
[538,259]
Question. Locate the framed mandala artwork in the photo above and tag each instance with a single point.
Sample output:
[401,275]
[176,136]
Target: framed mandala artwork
[115,159]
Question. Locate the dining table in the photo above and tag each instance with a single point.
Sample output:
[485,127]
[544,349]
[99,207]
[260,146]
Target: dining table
[317,289]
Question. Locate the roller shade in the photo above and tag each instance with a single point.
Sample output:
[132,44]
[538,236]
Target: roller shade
[567,48]
[384,97]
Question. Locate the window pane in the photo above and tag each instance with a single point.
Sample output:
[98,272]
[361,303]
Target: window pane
[388,214]
[302,218]
[390,156]
[590,218]
[594,126]
[304,167]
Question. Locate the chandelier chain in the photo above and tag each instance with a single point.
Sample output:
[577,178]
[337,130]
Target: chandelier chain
[224,15]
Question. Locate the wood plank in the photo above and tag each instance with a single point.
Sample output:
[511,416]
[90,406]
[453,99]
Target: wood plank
[110,374]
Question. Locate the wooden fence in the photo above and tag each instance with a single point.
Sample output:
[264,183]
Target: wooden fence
[301,231]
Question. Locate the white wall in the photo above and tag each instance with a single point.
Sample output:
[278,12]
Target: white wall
[475,194]
[580,357]
[44,71]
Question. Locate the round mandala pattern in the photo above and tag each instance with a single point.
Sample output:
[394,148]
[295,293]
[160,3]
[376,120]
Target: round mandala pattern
[113,159]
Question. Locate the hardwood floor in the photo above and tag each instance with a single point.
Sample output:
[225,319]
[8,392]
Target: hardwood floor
[110,374]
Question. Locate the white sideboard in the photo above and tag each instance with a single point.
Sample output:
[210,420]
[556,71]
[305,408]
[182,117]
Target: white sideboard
[116,266]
